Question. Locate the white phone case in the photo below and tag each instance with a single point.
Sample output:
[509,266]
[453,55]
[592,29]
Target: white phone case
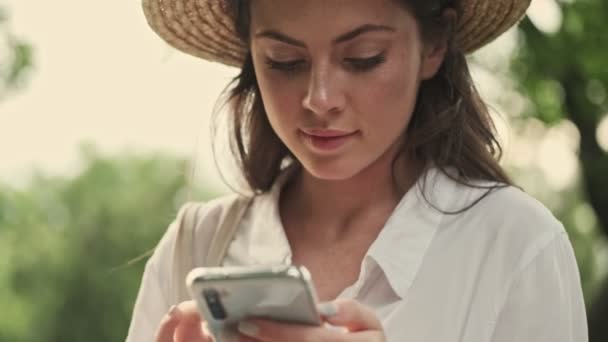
[227,295]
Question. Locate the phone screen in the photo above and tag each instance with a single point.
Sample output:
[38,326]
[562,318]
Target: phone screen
[227,296]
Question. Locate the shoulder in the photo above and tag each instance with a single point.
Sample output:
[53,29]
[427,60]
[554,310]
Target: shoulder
[512,205]
[508,226]
[527,249]
[492,208]
[203,215]
[520,222]
[211,212]
[516,212]
[204,218]
[498,207]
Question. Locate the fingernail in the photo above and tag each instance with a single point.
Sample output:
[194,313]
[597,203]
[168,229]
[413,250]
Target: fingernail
[172,314]
[248,328]
[172,311]
[327,309]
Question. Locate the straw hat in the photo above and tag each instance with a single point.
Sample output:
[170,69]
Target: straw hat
[205,29]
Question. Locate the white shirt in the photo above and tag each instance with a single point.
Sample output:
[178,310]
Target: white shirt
[504,270]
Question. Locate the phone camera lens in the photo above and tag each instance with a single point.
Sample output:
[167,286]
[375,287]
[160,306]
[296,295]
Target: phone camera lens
[214,303]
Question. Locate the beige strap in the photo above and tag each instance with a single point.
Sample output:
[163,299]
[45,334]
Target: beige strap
[227,226]
[183,259]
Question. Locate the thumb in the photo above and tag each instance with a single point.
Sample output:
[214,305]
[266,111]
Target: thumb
[349,314]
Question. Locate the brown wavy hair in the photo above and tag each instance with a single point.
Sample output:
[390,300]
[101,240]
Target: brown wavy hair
[451,127]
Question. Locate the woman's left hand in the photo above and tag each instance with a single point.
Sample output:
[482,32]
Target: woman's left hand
[349,321]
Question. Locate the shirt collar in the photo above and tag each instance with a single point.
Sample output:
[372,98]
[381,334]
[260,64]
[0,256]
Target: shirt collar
[400,247]
[270,245]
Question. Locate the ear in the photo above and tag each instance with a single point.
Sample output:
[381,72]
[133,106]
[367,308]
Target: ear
[434,52]
[432,58]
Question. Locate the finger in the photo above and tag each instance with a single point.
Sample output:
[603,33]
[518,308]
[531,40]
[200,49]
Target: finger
[261,330]
[190,327]
[272,331]
[166,331]
[244,338]
[268,330]
[350,314]
[367,336]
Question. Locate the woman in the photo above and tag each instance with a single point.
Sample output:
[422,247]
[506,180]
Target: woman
[374,163]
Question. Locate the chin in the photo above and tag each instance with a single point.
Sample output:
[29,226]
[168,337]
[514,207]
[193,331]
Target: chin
[331,171]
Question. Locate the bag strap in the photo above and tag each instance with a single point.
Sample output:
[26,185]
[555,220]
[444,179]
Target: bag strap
[184,260]
[227,227]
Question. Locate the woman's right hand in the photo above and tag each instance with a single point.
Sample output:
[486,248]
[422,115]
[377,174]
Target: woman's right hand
[182,323]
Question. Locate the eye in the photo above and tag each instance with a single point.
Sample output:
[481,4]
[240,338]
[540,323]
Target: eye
[286,66]
[365,64]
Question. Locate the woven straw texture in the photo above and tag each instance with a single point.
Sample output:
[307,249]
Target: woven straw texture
[205,29]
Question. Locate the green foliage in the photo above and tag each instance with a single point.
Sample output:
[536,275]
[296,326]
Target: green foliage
[66,243]
[565,74]
[549,65]
[21,60]
[18,59]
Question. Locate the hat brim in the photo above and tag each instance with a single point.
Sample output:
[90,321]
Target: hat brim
[205,28]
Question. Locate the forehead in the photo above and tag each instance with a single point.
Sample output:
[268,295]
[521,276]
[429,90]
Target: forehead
[326,15]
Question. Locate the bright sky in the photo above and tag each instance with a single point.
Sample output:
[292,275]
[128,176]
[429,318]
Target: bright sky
[103,76]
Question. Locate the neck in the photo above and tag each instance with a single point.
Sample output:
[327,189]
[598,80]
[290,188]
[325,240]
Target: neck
[369,196]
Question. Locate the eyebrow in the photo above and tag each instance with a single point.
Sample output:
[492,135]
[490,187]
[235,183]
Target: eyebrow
[276,35]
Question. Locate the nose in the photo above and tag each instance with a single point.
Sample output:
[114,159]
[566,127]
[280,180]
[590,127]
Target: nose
[325,94]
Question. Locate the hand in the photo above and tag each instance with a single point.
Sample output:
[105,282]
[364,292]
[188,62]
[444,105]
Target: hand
[182,323]
[348,321]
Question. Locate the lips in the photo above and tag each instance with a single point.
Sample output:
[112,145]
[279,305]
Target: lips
[327,140]
[327,133]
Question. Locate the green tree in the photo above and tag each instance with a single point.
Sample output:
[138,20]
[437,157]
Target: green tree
[66,243]
[17,60]
[566,76]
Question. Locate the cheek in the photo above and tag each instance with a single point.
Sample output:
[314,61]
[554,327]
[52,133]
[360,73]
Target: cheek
[279,93]
[281,99]
[389,98]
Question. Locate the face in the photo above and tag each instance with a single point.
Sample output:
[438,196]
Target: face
[339,78]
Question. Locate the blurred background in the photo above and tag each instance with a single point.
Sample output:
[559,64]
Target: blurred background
[101,122]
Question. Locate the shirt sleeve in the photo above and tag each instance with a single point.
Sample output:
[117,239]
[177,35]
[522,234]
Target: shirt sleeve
[545,301]
[152,299]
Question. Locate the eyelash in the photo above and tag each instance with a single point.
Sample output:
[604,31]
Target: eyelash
[357,64]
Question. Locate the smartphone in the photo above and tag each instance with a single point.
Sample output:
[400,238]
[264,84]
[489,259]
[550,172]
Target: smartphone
[227,295]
